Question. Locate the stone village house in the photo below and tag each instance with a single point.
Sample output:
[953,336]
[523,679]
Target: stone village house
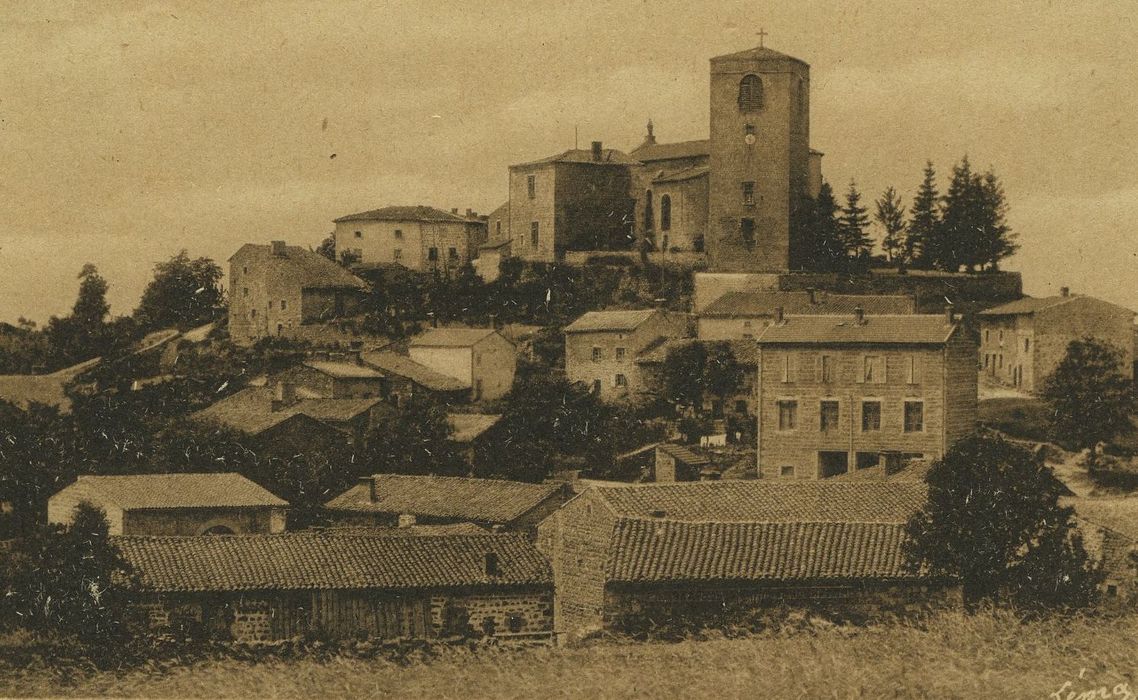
[264,588]
[741,315]
[1022,342]
[602,348]
[623,555]
[837,393]
[274,289]
[419,238]
[481,359]
[174,504]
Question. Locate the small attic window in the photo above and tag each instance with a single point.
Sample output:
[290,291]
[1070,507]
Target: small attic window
[750,94]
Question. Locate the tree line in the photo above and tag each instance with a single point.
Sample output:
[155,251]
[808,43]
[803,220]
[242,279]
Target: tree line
[966,227]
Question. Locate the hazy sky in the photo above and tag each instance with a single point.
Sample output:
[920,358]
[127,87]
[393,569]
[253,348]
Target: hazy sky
[129,133]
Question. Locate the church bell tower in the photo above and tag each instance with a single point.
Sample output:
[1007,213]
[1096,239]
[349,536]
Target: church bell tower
[759,158]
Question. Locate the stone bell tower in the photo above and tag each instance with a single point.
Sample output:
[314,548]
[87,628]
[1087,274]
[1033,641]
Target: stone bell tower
[759,158]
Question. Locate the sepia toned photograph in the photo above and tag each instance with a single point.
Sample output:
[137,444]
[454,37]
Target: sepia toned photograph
[629,349]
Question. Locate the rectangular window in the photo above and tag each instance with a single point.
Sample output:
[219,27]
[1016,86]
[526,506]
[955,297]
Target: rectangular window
[787,414]
[872,369]
[531,186]
[432,254]
[397,254]
[826,369]
[270,304]
[245,292]
[284,304]
[987,336]
[749,194]
[913,369]
[533,234]
[620,353]
[788,367]
[597,354]
[866,460]
[359,234]
[398,233]
[786,470]
[829,412]
[620,380]
[452,253]
[1026,344]
[870,416]
[914,416]
[747,232]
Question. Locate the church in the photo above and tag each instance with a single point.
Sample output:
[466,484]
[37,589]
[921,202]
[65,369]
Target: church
[731,198]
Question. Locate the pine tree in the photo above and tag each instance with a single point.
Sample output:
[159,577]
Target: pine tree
[891,215]
[829,254]
[996,238]
[961,224]
[852,223]
[922,241]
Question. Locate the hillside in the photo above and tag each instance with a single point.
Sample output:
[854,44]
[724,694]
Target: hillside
[952,656]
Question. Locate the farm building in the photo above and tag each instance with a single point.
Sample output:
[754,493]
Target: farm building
[263,588]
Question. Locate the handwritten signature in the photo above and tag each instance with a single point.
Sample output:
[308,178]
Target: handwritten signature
[1102,692]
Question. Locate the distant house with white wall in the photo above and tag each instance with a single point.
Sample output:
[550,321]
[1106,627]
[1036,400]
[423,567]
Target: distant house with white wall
[419,238]
[480,358]
[174,504]
[1023,341]
[274,289]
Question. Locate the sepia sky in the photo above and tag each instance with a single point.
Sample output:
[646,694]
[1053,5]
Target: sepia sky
[131,132]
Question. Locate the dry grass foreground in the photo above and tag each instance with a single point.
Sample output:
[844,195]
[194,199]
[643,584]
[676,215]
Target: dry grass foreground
[952,656]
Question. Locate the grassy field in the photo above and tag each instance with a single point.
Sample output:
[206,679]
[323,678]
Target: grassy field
[951,656]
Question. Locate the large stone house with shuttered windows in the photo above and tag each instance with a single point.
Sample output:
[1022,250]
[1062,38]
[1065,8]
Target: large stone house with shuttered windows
[602,349]
[842,393]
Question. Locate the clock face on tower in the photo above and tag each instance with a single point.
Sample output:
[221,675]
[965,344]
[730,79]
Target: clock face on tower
[750,139]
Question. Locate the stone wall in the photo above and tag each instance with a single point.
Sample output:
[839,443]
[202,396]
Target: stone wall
[195,521]
[503,614]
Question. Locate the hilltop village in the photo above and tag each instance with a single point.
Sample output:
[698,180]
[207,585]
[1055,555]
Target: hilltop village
[629,393]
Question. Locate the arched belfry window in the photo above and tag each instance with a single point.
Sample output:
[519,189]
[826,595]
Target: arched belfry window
[665,213]
[750,94]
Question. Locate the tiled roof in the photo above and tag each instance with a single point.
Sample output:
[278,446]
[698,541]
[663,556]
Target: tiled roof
[682,175]
[451,337]
[450,497]
[311,270]
[403,366]
[22,390]
[609,156]
[1118,514]
[683,454]
[618,320]
[303,561]
[649,152]
[467,427]
[1029,305]
[343,370]
[769,501]
[745,351]
[649,551]
[414,213]
[759,53]
[915,329]
[251,410]
[763,304]
[140,491]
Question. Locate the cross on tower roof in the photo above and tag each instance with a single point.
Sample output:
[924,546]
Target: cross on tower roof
[762,35]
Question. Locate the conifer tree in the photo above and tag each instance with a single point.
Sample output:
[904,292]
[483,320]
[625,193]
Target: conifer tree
[961,223]
[890,215]
[829,253]
[997,239]
[923,240]
[852,223]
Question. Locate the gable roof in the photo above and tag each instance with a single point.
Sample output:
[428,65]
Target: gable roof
[343,370]
[648,152]
[311,270]
[615,320]
[609,156]
[682,175]
[1030,305]
[402,213]
[251,410]
[768,501]
[306,561]
[151,491]
[403,366]
[759,53]
[468,427]
[915,329]
[763,303]
[684,454]
[451,337]
[451,497]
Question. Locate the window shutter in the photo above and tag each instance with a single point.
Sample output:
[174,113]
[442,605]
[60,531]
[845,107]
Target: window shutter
[819,373]
[882,369]
[861,369]
[914,369]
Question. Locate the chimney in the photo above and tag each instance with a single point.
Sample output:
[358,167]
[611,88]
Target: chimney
[651,137]
[470,213]
[454,211]
[597,151]
[284,395]
[369,483]
[778,315]
[279,248]
[859,315]
[1064,291]
[948,314]
[813,295]
[405,520]
[492,564]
